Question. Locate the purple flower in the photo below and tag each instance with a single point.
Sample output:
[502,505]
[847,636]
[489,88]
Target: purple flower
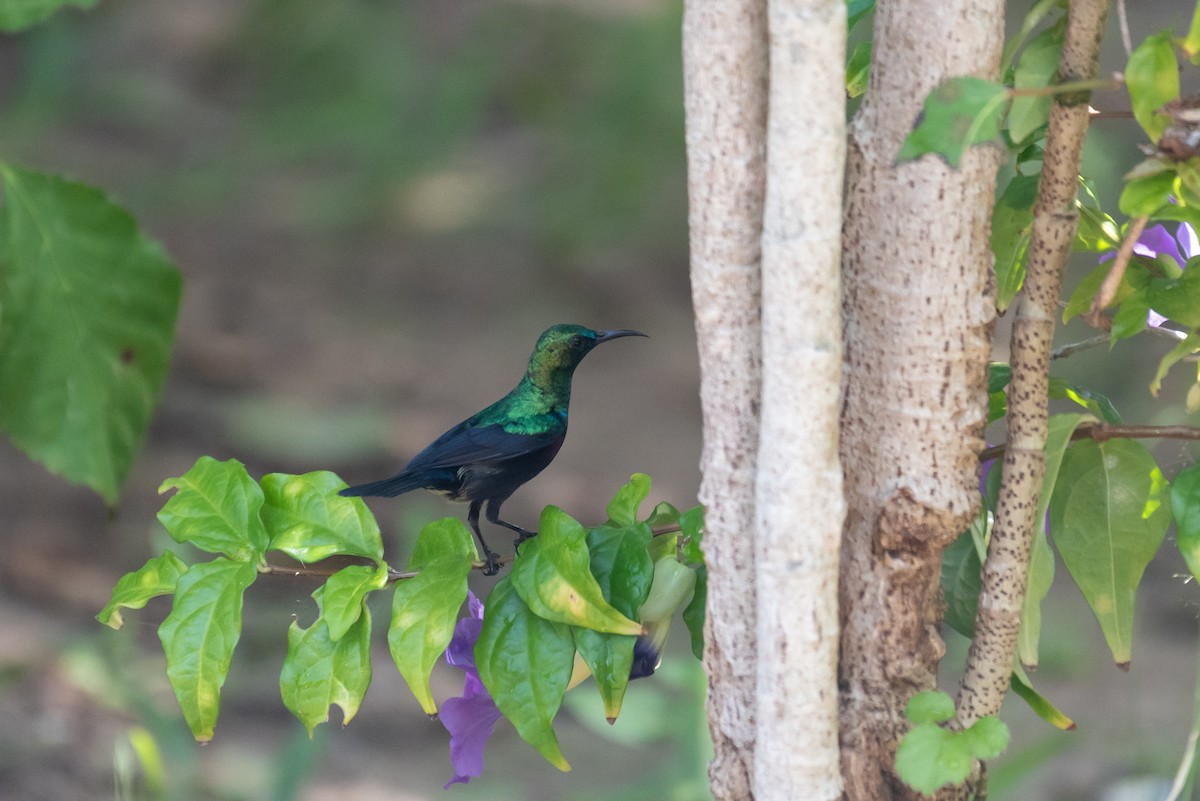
[1157,241]
[470,717]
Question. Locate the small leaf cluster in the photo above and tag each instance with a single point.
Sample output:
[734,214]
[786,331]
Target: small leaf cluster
[932,756]
[572,591]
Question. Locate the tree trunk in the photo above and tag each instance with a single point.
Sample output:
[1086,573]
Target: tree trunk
[725,82]
[799,481]
[918,312]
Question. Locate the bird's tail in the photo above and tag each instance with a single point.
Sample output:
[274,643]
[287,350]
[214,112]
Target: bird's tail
[389,487]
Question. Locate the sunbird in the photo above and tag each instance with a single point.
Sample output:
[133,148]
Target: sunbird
[485,458]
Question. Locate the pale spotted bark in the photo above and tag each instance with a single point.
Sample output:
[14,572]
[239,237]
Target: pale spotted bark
[799,480]
[918,310]
[725,83]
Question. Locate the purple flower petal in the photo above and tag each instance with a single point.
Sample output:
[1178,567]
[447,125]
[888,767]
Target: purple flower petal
[1157,241]
[461,651]
[470,720]
[471,716]
[1188,242]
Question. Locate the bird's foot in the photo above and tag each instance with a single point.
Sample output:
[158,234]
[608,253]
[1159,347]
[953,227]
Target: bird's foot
[524,535]
[493,564]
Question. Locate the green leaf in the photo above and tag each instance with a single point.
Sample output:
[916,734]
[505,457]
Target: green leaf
[1191,42]
[664,514]
[929,706]
[609,657]
[216,509]
[1145,195]
[1186,346]
[621,565]
[623,508]
[309,521]
[1041,559]
[858,70]
[1177,299]
[1033,18]
[693,613]
[525,662]
[620,562]
[1108,517]
[85,338]
[199,636]
[1081,298]
[552,575]
[157,577]
[999,374]
[930,757]
[1012,221]
[691,525]
[319,671]
[1035,70]
[961,562]
[856,10]
[1041,707]
[987,737]
[1097,404]
[343,593]
[1152,77]
[959,113]
[1131,317]
[17,15]
[425,607]
[1185,506]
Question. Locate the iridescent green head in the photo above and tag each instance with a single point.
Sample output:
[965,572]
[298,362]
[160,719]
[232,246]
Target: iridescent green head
[561,348]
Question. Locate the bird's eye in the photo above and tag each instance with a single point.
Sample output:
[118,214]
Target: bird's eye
[575,342]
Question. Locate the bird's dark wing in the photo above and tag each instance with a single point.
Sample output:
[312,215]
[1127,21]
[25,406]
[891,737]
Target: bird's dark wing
[471,444]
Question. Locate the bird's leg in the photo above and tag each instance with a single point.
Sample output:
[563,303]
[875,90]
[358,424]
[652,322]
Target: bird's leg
[493,561]
[493,516]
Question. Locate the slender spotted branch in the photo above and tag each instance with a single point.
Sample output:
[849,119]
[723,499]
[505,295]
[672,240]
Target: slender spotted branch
[1056,220]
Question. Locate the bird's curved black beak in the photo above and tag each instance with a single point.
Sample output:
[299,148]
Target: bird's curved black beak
[605,336]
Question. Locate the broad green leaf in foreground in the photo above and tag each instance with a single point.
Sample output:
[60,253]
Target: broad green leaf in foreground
[343,593]
[200,634]
[85,338]
[157,577]
[425,607]
[553,577]
[309,521]
[319,672]
[525,662]
[17,15]
[1108,517]
[621,565]
[216,509]
[1185,505]
[959,113]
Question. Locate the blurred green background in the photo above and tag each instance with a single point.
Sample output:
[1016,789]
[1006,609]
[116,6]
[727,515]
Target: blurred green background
[376,208]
